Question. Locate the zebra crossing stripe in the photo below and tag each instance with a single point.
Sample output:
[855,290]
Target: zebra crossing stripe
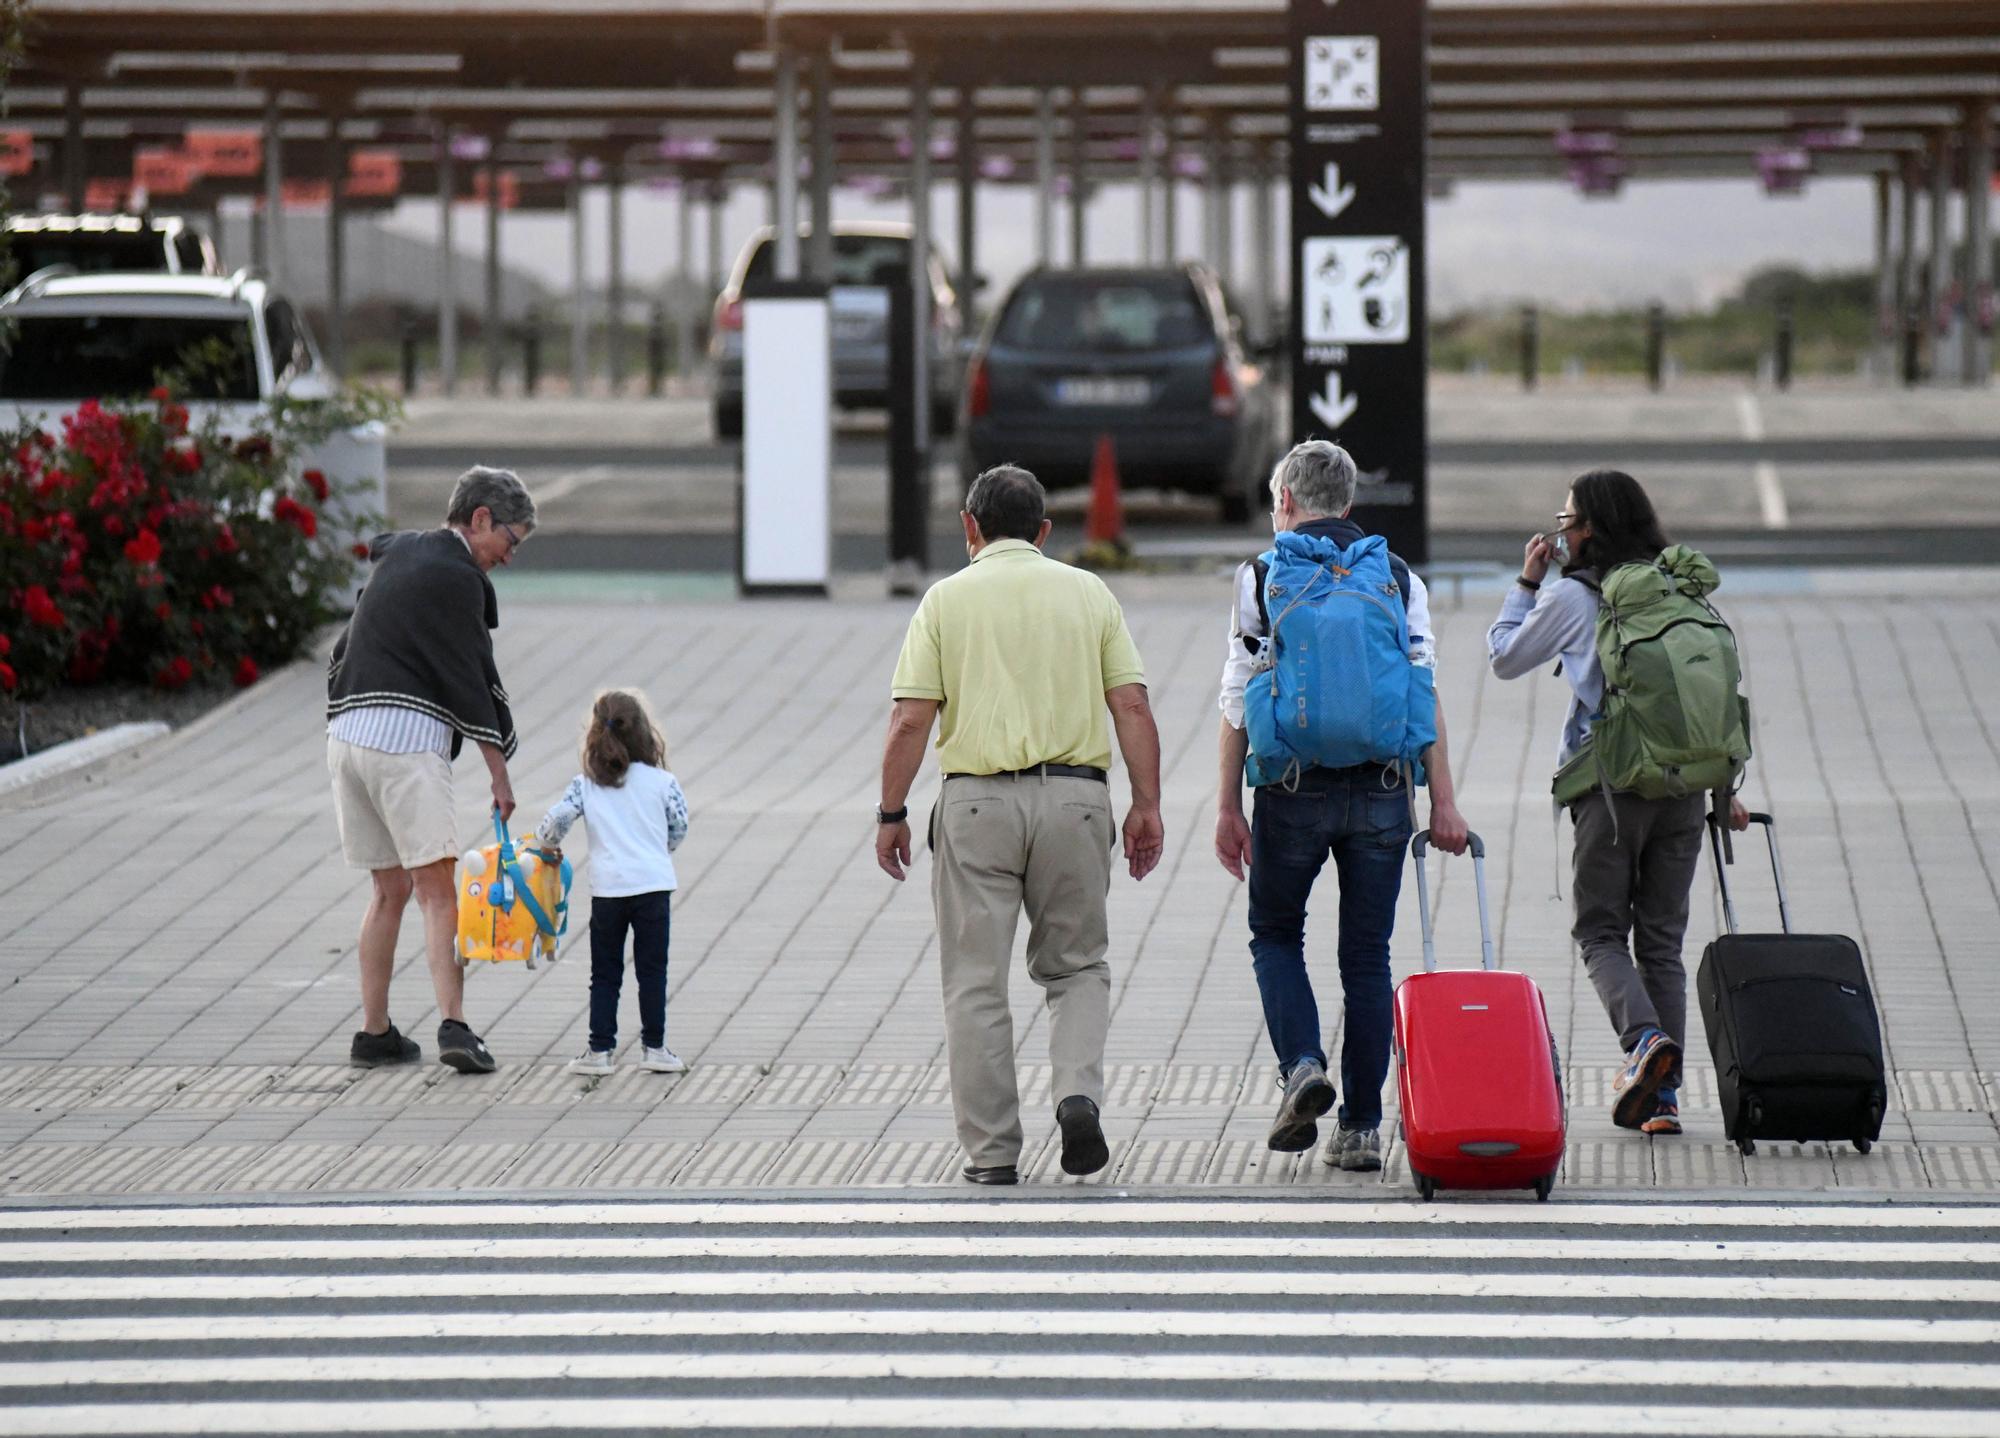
[593,1324]
[1083,1283]
[1028,1414]
[1081,1211]
[890,1245]
[1011,1367]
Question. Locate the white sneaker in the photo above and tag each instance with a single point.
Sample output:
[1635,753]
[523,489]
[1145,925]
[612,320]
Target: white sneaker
[593,1063]
[663,1061]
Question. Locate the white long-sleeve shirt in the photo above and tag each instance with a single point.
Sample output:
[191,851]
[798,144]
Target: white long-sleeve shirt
[1557,623]
[1246,639]
[634,829]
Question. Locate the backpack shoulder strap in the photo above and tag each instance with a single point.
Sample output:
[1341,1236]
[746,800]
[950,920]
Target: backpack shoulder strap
[1263,573]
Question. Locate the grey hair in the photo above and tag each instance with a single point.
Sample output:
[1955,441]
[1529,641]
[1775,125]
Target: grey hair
[498,491]
[1007,502]
[1321,476]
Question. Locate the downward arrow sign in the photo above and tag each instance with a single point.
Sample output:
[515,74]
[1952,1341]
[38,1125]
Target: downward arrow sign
[1332,197]
[1334,408]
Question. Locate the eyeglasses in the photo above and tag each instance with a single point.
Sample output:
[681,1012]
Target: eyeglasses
[1567,521]
[513,539]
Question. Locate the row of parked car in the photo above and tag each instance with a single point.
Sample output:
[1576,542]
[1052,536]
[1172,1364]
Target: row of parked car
[1155,358]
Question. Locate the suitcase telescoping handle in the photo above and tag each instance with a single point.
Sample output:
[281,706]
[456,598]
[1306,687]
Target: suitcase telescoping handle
[1475,846]
[1722,869]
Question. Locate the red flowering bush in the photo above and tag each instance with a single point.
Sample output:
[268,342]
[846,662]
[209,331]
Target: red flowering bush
[133,550]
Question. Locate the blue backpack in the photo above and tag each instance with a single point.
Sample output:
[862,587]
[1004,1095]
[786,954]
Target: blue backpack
[1335,686]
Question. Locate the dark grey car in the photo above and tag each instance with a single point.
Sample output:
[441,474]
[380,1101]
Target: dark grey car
[1151,357]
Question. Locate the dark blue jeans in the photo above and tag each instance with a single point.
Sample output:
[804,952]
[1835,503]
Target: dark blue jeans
[1349,814]
[648,917]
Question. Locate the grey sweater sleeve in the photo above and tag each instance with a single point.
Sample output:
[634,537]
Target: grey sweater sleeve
[1538,629]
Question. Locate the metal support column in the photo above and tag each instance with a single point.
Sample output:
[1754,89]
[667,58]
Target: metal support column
[1979,244]
[1943,363]
[1045,178]
[1265,239]
[273,258]
[336,246]
[920,246]
[1225,206]
[614,261]
[447,315]
[1079,178]
[785,166]
[493,323]
[968,206]
[683,282]
[1908,258]
[1170,219]
[1882,362]
[579,308]
[1212,195]
[718,263]
[1148,177]
[75,178]
[819,251]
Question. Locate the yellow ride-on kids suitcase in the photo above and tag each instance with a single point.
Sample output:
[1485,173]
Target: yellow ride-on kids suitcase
[512,904]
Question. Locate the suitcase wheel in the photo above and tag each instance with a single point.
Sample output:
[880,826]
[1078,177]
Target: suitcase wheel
[1862,1145]
[1544,1186]
[1426,1187]
[1746,1146]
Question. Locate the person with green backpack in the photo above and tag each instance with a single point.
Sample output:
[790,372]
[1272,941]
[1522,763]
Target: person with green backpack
[1656,735]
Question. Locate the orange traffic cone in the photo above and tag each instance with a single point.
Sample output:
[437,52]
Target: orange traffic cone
[1105,523]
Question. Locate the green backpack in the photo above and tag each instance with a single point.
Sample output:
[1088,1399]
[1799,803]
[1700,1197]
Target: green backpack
[1672,722]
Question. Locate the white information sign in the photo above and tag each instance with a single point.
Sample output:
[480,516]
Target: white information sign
[1357,290]
[1343,72]
[787,539]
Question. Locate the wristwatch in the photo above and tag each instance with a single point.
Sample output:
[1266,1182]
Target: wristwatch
[891,816]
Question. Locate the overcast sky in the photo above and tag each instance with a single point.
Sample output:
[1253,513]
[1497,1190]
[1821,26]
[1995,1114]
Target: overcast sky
[1682,242]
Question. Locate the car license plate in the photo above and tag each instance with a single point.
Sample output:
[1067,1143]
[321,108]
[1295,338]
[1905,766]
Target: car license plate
[1102,391]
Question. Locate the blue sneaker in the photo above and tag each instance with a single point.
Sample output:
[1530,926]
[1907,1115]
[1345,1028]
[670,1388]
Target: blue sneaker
[1649,1065]
[1665,1119]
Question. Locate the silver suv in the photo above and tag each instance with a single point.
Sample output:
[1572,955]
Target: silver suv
[865,258]
[97,244]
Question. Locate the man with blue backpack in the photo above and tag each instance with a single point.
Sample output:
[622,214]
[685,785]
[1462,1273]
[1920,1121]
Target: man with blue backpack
[1328,709]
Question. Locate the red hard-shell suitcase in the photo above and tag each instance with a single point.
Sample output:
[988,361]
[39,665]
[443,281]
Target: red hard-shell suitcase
[1477,1069]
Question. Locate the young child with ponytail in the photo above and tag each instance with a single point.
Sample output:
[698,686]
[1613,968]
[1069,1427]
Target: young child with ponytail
[638,817]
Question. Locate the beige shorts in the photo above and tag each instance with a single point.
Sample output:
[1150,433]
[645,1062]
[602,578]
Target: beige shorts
[395,810]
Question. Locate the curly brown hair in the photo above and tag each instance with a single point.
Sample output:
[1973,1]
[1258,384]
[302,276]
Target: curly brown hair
[621,733]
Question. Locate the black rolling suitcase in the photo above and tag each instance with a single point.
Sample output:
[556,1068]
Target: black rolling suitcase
[1791,1026]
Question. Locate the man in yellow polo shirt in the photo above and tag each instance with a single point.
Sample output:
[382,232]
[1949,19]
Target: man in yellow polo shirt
[1021,655]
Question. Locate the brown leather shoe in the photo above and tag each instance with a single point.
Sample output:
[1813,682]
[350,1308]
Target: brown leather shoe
[1002,1175]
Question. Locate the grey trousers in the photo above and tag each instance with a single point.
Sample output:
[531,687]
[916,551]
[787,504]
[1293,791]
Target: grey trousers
[1001,845]
[1631,899]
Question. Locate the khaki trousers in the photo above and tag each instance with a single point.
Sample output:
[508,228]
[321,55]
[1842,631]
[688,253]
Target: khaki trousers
[1001,844]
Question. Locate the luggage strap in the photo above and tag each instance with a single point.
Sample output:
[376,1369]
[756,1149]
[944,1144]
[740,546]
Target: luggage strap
[1716,839]
[521,889]
[1419,843]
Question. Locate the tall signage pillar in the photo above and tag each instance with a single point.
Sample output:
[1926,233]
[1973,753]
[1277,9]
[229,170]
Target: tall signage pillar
[1358,119]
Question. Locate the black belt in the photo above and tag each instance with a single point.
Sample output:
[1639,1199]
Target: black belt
[1041,771]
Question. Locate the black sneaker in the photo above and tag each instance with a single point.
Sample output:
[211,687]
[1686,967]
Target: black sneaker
[374,1051]
[1083,1147]
[462,1049]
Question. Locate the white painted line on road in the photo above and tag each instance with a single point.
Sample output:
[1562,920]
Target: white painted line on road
[1770,494]
[1155,1415]
[1624,1323]
[1630,1252]
[967,1283]
[568,483]
[1294,1217]
[1727,1371]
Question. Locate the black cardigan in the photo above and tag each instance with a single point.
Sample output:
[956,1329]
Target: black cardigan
[420,639]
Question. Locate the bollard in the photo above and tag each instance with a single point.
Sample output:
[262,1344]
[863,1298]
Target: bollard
[1656,344]
[1781,347]
[1531,346]
[531,353]
[656,350]
[409,358]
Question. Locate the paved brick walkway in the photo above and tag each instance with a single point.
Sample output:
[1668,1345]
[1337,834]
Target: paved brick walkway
[176,954]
